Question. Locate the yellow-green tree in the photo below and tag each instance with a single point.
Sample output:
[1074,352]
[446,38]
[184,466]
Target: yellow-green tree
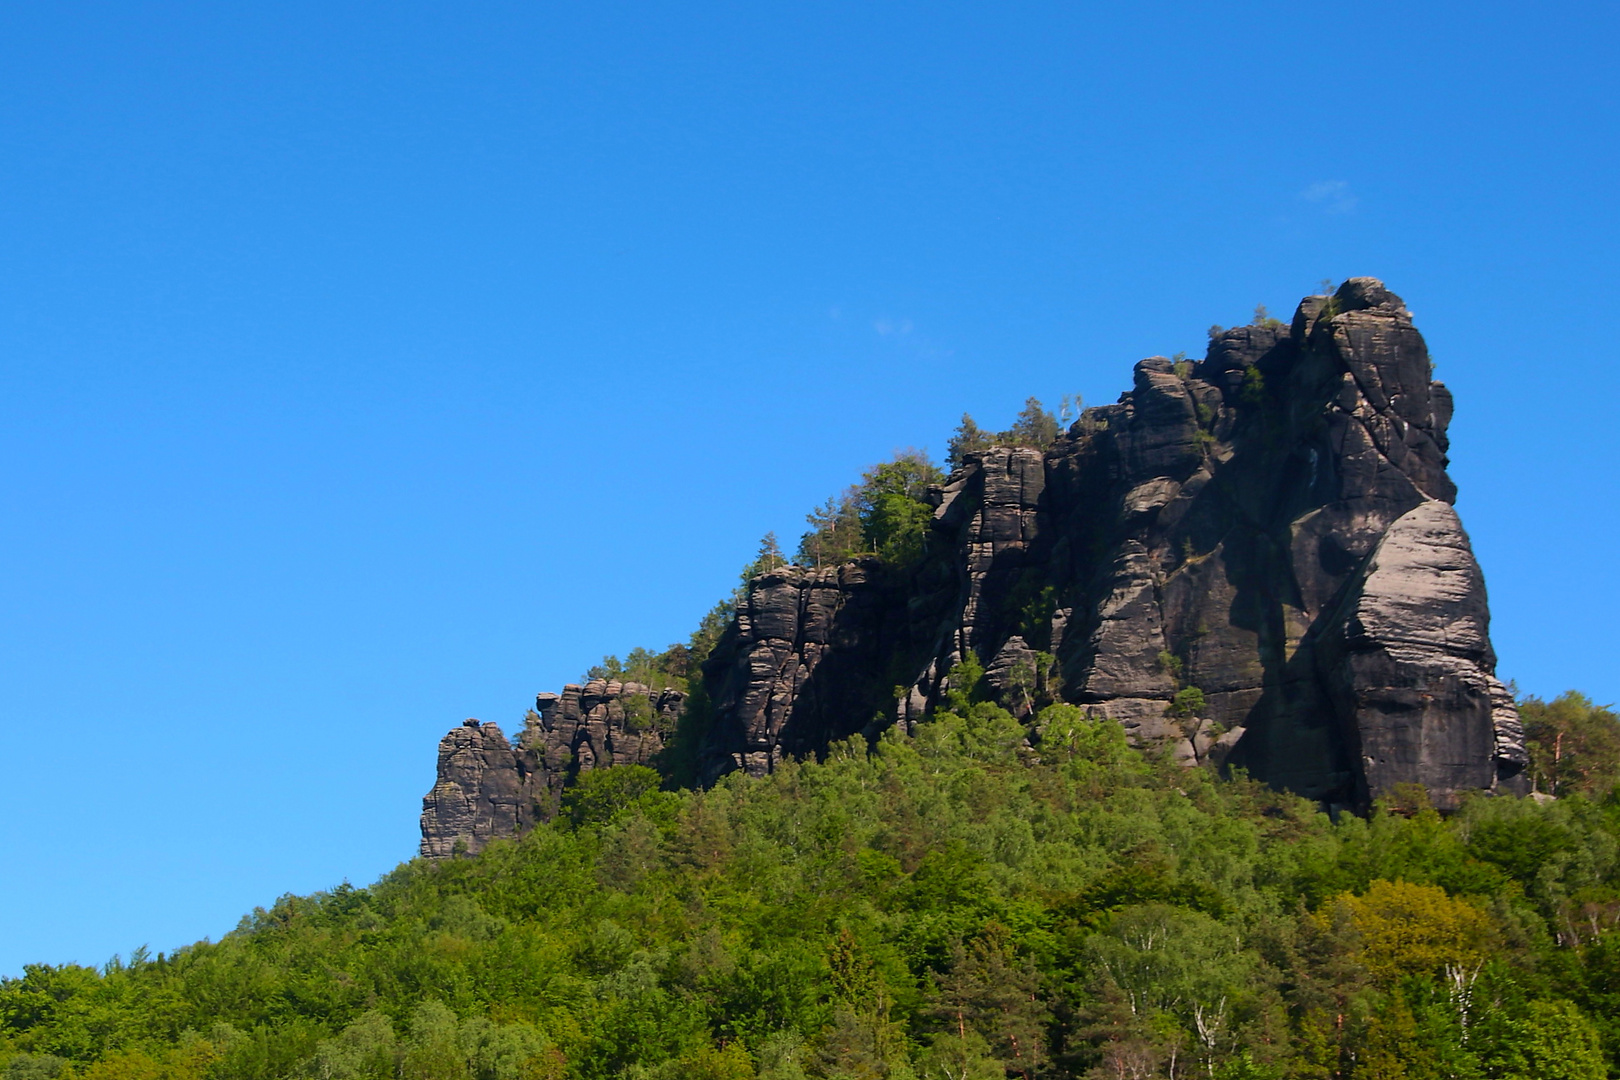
[1410,929]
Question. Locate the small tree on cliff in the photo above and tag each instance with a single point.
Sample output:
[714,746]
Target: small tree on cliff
[835,531]
[886,514]
[1034,427]
[970,438]
[893,508]
[768,558]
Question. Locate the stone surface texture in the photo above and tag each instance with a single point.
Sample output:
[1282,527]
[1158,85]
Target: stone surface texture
[488,787]
[1271,525]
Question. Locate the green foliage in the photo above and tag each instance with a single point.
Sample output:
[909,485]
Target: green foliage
[887,514]
[969,438]
[769,558]
[35,1067]
[835,534]
[679,667]
[1574,745]
[994,992]
[1034,427]
[893,508]
[1188,701]
[707,635]
[668,669]
[964,684]
[1252,391]
[1262,317]
[1411,929]
[599,795]
[987,898]
[1543,1040]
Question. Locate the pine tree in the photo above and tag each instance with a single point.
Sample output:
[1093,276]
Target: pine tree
[1034,426]
[970,438]
[768,558]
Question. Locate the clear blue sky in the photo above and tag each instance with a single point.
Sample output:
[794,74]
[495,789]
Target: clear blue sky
[365,367]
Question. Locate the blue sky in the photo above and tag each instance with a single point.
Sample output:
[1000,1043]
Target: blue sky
[365,367]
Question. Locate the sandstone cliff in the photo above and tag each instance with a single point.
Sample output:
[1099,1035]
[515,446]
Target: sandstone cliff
[1270,526]
[488,787]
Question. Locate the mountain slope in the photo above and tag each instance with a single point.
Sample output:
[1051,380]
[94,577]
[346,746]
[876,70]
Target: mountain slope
[942,905]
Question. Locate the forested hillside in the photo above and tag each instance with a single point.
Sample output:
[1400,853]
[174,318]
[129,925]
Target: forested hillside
[951,904]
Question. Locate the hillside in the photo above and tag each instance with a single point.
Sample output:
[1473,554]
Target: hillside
[1163,742]
[944,905]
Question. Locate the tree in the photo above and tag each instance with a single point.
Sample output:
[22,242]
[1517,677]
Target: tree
[1262,317]
[365,1050]
[1574,745]
[886,514]
[1407,1044]
[1170,960]
[600,794]
[1034,427]
[994,993]
[610,668]
[861,1042]
[710,628]
[432,1048]
[835,534]
[892,505]
[1188,701]
[768,558]
[1409,929]
[1547,1040]
[969,439]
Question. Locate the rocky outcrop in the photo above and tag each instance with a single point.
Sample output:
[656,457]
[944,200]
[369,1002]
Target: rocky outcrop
[809,654]
[1409,656]
[601,723]
[488,788]
[1249,558]
[1254,525]
[481,793]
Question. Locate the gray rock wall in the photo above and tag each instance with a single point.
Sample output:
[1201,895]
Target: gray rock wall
[1264,516]
[1274,519]
[488,787]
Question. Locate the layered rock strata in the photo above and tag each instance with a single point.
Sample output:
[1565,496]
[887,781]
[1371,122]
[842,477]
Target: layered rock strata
[488,787]
[1271,527]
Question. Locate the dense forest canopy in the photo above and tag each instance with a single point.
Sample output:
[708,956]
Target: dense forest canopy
[956,904]
[990,897]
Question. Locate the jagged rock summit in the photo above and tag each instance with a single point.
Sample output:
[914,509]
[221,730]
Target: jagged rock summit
[487,787]
[1251,558]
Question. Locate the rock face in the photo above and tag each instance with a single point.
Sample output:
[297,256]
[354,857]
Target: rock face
[1270,527]
[489,788]
[480,794]
[1410,655]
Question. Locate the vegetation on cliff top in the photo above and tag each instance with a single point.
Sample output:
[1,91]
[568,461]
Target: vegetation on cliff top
[953,904]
